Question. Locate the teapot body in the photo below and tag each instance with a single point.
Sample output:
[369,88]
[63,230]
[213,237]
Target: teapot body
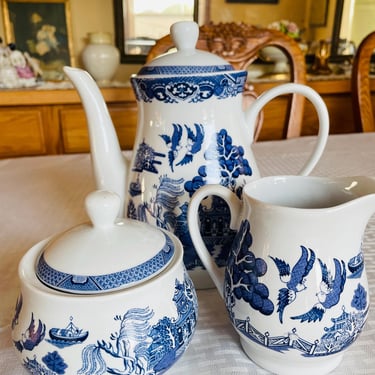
[191,132]
[295,291]
[128,330]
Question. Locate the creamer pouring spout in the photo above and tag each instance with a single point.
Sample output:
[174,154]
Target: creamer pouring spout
[191,131]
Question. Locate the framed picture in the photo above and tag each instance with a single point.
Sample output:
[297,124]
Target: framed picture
[253,1]
[318,13]
[43,29]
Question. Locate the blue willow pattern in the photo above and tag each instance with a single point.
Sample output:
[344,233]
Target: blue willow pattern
[224,162]
[243,281]
[137,347]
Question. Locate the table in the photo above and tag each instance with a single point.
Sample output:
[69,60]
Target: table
[41,196]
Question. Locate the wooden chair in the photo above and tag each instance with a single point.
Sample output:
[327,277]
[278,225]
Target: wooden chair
[361,95]
[240,44]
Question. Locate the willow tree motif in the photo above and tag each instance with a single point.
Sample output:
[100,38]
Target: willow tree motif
[161,207]
[243,273]
[130,345]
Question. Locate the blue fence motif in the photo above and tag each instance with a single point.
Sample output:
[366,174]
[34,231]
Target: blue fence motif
[344,330]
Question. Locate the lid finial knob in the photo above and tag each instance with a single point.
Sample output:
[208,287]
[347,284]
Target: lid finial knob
[185,35]
[102,207]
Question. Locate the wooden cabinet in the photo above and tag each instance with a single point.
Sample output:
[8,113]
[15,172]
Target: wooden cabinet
[23,132]
[41,122]
[74,135]
[337,97]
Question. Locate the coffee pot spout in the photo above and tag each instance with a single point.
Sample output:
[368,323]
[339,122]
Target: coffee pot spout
[109,163]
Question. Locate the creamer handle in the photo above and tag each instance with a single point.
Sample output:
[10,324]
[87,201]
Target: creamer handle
[235,204]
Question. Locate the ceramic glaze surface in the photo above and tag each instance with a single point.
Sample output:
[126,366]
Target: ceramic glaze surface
[337,332]
[195,140]
[186,158]
[295,292]
[192,131]
[100,57]
[106,254]
[190,89]
[184,70]
[103,282]
[143,329]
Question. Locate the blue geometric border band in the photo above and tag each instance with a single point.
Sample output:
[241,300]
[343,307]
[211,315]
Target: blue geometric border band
[85,283]
[184,69]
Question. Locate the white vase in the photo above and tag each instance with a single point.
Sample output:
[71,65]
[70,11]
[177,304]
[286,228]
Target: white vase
[100,57]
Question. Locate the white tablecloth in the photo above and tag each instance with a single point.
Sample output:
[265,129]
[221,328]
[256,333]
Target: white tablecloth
[41,196]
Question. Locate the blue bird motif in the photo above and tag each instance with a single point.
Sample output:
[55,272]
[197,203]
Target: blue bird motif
[17,311]
[295,280]
[193,144]
[181,147]
[173,143]
[32,336]
[331,288]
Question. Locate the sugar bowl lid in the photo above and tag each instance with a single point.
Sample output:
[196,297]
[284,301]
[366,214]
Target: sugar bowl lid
[187,59]
[105,255]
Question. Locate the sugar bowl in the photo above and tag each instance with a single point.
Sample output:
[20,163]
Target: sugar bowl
[108,296]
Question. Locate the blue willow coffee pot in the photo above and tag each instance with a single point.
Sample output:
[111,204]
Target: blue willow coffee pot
[191,131]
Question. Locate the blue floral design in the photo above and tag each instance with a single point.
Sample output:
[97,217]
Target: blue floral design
[225,163]
[359,300]
[55,362]
[243,273]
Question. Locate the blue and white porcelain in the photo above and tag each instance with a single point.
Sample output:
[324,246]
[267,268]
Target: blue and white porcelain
[112,296]
[295,285]
[69,262]
[192,131]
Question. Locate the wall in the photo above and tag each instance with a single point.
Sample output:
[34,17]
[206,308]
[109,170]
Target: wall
[363,20]
[263,14]
[259,14]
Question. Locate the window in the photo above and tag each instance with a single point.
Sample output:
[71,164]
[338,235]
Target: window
[140,22]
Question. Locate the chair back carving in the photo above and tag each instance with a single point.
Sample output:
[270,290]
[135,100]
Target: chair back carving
[240,44]
[361,95]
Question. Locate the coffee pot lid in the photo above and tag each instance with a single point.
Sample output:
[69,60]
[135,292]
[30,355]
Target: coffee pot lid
[187,59]
[106,254]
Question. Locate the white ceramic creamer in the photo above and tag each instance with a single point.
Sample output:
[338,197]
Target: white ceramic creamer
[294,285]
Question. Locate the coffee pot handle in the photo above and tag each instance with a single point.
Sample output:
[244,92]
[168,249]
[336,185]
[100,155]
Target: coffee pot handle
[235,206]
[251,115]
